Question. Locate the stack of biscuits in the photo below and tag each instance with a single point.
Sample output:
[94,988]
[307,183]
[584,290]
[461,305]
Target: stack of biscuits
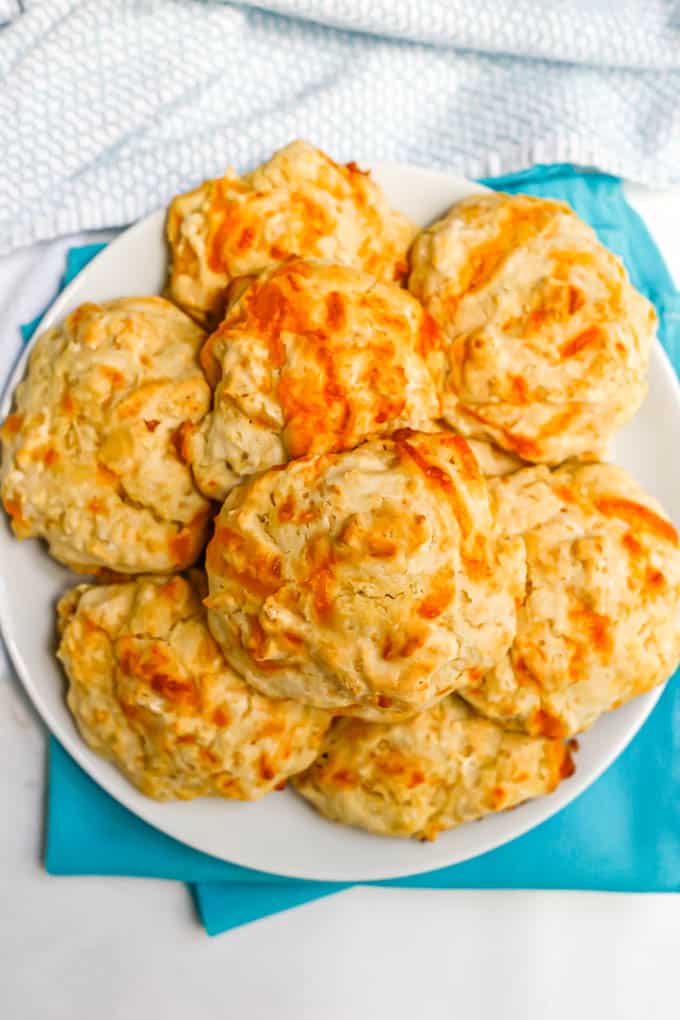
[345,499]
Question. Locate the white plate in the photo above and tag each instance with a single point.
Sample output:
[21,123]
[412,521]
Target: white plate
[281,833]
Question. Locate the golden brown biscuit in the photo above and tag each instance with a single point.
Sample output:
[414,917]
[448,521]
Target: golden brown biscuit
[368,582]
[494,462]
[89,452]
[312,358]
[600,621]
[150,690]
[437,770]
[299,203]
[548,340]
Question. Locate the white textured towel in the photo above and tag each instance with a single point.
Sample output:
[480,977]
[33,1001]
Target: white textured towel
[108,107]
[9,9]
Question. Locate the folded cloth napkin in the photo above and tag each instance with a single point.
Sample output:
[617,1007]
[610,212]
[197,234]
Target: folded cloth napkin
[622,834]
[166,92]
[9,9]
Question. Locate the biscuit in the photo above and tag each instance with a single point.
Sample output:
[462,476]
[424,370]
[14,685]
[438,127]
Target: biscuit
[548,342]
[150,690]
[599,624]
[299,203]
[368,582]
[437,770]
[311,358]
[89,452]
[494,462]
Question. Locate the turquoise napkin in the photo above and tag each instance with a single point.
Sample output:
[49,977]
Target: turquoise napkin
[623,834]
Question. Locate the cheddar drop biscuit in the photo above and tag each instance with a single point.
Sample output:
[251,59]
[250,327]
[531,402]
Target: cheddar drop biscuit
[548,342]
[150,690]
[312,357]
[299,203]
[600,621]
[437,770]
[90,460]
[494,462]
[368,582]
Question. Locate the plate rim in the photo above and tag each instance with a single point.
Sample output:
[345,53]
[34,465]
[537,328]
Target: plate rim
[107,776]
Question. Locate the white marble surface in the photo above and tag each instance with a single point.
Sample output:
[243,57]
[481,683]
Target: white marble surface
[119,949]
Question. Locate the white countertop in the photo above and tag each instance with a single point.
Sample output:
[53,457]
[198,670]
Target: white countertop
[123,949]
